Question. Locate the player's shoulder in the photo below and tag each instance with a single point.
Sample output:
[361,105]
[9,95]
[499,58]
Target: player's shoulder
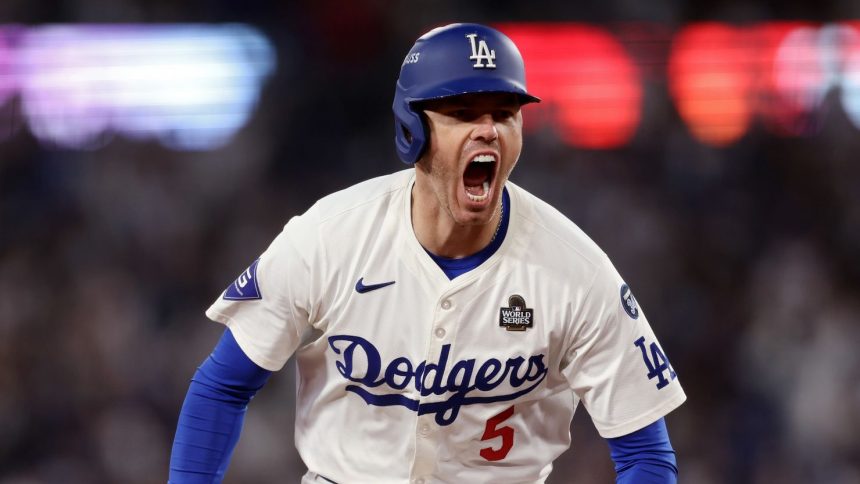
[344,216]
[363,196]
[554,233]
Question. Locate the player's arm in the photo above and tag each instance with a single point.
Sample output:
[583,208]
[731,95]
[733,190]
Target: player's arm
[644,456]
[618,369]
[211,417]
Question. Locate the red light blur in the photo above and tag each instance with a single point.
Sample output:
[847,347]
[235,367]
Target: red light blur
[711,80]
[589,84]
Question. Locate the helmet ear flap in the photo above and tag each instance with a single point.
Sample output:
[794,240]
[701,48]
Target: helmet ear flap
[407,135]
[410,130]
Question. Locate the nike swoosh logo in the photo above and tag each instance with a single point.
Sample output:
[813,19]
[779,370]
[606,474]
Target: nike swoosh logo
[361,288]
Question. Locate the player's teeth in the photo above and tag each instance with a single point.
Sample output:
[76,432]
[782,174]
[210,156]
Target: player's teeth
[483,159]
[483,196]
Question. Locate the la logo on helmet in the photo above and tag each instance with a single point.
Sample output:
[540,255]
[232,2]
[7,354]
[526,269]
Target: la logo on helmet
[481,52]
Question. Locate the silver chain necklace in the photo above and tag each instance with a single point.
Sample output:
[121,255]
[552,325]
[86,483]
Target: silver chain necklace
[501,217]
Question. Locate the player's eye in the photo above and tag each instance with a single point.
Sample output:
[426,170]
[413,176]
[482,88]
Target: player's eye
[459,113]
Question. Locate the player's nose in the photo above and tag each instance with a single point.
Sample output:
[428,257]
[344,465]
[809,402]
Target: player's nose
[485,128]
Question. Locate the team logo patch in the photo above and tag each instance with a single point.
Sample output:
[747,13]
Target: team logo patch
[628,302]
[517,317]
[481,53]
[245,287]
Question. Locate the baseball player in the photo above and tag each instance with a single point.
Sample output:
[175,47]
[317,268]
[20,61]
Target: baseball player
[446,323]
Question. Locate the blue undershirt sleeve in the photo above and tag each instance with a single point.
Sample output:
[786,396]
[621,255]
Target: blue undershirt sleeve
[211,417]
[645,456]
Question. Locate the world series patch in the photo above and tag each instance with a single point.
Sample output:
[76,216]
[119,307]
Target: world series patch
[516,317]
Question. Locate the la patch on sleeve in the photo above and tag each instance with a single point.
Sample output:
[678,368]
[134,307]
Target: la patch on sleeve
[245,287]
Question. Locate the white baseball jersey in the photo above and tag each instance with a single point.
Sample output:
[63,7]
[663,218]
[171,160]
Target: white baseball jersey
[407,376]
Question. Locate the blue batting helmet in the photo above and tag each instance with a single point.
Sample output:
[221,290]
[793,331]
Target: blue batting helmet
[449,61]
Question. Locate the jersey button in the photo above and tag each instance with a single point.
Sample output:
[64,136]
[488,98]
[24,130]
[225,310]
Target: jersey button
[446,304]
[424,430]
[440,333]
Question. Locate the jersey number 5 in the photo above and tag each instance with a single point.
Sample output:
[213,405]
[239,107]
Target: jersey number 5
[492,430]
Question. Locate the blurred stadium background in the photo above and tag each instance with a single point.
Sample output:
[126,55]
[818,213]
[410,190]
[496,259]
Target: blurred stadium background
[150,150]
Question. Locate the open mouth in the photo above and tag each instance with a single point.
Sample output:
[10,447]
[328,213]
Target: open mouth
[479,176]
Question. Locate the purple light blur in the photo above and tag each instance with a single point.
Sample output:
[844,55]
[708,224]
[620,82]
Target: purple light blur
[191,87]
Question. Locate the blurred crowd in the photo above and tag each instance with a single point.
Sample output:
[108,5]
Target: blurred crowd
[746,260]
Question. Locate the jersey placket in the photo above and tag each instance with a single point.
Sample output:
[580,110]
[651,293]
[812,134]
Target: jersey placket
[427,430]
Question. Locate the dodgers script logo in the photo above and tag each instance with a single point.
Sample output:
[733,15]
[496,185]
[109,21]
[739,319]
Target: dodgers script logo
[361,363]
